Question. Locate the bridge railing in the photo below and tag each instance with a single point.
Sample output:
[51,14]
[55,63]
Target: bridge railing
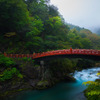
[57,52]
[86,52]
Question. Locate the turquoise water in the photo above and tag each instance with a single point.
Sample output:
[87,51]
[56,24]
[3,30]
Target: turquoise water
[62,91]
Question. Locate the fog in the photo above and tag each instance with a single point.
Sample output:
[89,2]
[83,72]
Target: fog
[84,13]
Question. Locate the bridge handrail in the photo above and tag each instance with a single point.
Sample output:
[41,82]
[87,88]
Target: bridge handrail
[56,52]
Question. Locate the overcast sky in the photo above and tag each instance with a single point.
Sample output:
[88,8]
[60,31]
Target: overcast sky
[84,13]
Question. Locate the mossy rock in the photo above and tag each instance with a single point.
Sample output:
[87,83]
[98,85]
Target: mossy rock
[42,84]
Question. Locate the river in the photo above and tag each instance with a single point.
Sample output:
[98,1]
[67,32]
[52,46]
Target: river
[63,90]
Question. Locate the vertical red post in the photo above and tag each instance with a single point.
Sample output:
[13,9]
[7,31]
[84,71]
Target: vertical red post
[27,55]
[10,55]
[5,54]
[17,55]
[33,55]
[71,50]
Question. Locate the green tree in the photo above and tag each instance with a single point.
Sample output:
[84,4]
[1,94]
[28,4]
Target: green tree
[53,11]
[13,16]
[38,8]
[52,25]
[86,43]
[33,36]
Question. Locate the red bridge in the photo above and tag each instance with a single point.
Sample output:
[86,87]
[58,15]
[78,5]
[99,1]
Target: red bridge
[76,53]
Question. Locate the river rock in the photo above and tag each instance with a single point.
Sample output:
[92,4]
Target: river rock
[99,71]
[33,82]
[16,86]
[69,78]
[42,84]
[81,74]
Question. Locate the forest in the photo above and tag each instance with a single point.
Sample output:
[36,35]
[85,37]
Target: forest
[32,26]
[29,26]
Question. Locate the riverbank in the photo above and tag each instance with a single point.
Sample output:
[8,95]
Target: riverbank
[62,90]
[32,76]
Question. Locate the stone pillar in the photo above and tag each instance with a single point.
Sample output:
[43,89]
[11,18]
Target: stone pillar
[42,70]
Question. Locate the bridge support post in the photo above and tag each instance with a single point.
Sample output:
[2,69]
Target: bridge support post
[42,69]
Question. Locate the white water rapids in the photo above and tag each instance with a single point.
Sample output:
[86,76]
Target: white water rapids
[87,74]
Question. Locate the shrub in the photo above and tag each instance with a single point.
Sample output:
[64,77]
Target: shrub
[26,59]
[5,61]
[93,90]
[9,73]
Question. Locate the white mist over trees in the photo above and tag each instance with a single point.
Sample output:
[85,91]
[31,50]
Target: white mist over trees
[84,13]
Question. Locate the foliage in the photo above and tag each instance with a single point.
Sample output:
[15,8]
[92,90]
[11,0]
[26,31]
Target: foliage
[5,61]
[39,27]
[26,59]
[14,15]
[33,39]
[98,74]
[10,34]
[20,75]
[91,82]
[53,11]
[86,43]
[93,90]
[53,24]
[85,63]
[9,73]
[61,66]
[94,93]
[38,8]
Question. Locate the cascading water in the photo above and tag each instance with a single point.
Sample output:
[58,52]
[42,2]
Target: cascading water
[64,90]
[86,75]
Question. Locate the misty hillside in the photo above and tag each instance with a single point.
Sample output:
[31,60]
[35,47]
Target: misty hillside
[97,31]
[78,28]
